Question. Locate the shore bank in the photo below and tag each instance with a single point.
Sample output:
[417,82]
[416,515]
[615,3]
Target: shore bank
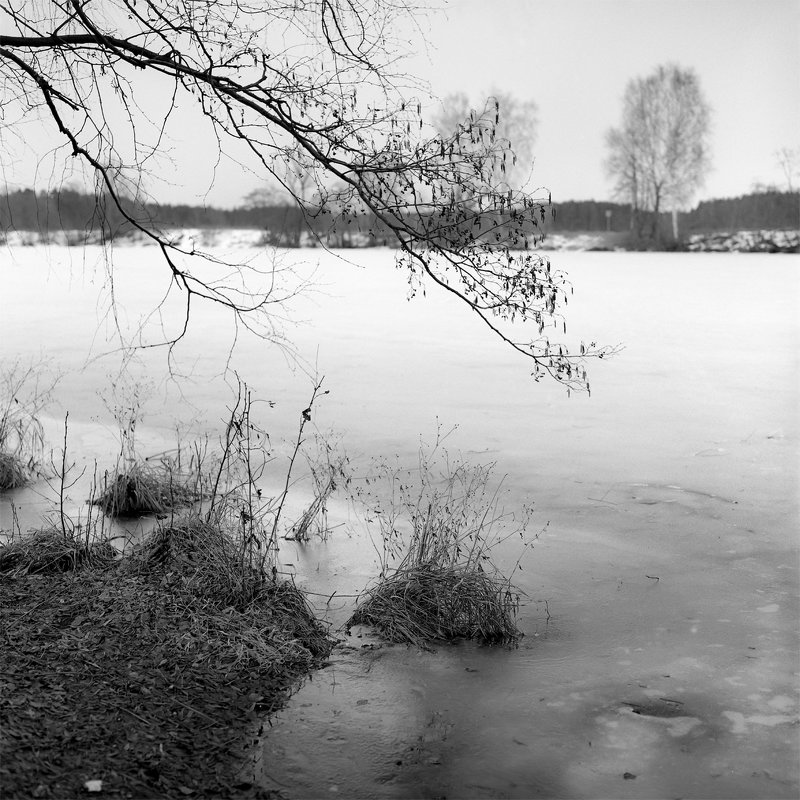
[128,682]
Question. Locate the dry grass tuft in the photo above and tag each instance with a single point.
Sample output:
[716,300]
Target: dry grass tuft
[50,551]
[202,556]
[197,557]
[284,604]
[13,472]
[269,624]
[425,603]
[329,471]
[144,488]
[438,581]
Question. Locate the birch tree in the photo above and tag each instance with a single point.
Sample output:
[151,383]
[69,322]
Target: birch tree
[659,156]
[788,159]
[503,115]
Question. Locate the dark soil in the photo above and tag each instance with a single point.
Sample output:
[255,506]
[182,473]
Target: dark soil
[128,678]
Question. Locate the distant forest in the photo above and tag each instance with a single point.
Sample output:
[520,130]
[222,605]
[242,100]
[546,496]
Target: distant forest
[769,210]
[70,210]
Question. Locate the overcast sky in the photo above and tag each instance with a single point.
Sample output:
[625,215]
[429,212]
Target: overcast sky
[574,58]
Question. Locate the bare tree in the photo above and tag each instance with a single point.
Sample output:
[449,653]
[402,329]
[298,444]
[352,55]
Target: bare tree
[659,156]
[308,84]
[263,196]
[788,159]
[502,116]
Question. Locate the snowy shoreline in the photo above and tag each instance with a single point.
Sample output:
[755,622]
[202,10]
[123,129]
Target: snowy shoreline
[745,241]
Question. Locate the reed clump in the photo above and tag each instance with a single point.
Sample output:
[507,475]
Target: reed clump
[426,602]
[142,488]
[156,484]
[13,471]
[199,554]
[329,471]
[438,580]
[25,392]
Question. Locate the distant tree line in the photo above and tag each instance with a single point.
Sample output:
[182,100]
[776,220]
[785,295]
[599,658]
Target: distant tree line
[289,225]
[779,210]
[94,216]
[760,210]
[67,209]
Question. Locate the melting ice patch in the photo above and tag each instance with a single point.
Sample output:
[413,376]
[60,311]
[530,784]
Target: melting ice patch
[741,722]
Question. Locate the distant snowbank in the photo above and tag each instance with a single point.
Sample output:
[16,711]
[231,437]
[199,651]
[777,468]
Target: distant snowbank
[747,242]
[762,241]
[188,238]
[185,237]
[578,241]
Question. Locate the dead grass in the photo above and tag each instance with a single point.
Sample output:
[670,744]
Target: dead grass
[207,563]
[49,551]
[329,471]
[427,603]
[13,472]
[136,672]
[143,488]
[153,672]
[207,559]
[301,530]
[25,391]
[438,581]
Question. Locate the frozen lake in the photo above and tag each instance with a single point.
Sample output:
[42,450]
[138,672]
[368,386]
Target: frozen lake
[682,466]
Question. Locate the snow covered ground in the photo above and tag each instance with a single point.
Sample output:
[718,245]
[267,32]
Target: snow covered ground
[747,242]
[762,241]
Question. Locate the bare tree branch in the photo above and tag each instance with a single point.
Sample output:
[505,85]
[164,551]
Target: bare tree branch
[308,89]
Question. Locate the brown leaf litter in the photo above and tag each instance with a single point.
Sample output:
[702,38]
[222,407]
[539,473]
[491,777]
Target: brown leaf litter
[122,672]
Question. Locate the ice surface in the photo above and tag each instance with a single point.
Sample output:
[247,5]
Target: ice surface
[670,565]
